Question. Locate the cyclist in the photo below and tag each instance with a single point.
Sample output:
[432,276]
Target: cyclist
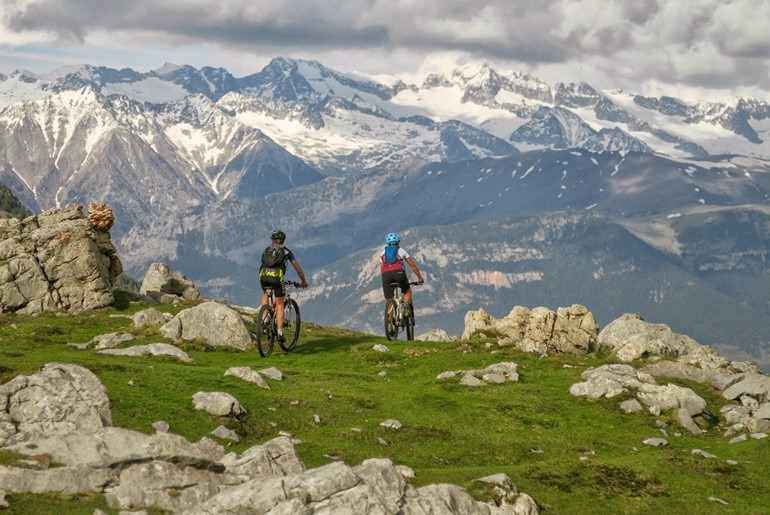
[392,261]
[271,275]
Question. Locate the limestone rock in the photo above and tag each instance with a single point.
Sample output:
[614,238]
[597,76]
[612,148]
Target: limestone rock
[56,261]
[160,279]
[217,324]
[58,399]
[218,403]
[570,330]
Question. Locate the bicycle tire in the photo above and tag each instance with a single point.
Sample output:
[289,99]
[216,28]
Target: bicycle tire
[391,325]
[265,331]
[409,323]
[291,325]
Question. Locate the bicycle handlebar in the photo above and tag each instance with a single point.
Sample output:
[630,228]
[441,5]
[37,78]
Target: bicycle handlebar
[291,283]
[413,283]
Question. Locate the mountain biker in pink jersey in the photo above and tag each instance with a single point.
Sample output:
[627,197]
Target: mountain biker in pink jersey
[392,261]
[272,277]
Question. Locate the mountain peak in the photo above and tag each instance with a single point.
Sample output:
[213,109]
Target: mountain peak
[167,69]
[473,70]
[85,71]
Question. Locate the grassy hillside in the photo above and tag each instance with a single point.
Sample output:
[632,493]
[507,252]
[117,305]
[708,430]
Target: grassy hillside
[570,454]
[556,260]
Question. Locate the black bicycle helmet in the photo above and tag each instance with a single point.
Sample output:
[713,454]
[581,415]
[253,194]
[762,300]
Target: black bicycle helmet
[278,234]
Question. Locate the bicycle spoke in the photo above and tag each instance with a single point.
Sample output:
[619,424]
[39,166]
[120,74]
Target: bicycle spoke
[265,331]
[291,325]
[391,327]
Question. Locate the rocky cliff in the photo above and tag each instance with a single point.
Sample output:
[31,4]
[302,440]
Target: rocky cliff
[58,260]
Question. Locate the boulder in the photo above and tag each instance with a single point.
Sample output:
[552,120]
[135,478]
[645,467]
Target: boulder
[160,279]
[671,397]
[152,349]
[218,403]
[58,399]
[217,324]
[755,385]
[434,335]
[150,317]
[609,381]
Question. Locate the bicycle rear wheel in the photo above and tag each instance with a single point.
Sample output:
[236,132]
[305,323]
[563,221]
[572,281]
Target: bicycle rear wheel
[391,324]
[291,323]
[409,323]
[265,331]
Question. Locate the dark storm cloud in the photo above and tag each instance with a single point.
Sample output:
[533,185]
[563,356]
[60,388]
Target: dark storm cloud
[233,23]
[705,43]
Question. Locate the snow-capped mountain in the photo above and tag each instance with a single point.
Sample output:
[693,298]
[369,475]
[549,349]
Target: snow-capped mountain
[199,165]
[295,100]
[147,160]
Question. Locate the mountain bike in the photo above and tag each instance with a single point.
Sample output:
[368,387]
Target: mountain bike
[397,316]
[266,332]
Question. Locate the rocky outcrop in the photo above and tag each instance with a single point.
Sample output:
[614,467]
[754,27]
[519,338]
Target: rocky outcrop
[673,355]
[162,284]
[57,260]
[61,416]
[570,330]
[630,337]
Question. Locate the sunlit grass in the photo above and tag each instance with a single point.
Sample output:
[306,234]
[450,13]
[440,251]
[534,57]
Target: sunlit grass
[570,454]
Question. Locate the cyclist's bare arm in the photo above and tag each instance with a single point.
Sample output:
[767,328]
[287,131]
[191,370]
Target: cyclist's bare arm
[415,269]
[300,273]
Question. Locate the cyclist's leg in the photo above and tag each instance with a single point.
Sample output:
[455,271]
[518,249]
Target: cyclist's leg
[270,282]
[279,294]
[279,305]
[387,289]
[264,283]
[406,290]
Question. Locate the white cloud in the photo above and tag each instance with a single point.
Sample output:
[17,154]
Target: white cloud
[704,44]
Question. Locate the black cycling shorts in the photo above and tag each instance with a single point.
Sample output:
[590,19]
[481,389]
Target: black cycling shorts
[274,282]
[396,276]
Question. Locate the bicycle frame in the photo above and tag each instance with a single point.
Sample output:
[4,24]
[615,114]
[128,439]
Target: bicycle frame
[286,295]
[396,317]
[267,322]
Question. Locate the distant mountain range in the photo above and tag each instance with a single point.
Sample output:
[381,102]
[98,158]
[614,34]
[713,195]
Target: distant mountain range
[507,190]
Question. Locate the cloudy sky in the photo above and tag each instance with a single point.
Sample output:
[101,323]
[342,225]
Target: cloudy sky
[708,48]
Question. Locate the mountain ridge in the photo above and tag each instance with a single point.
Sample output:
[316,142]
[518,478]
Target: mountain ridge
[199,165]
[480,85]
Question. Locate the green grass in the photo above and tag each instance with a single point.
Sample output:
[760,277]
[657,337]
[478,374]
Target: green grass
[572,455]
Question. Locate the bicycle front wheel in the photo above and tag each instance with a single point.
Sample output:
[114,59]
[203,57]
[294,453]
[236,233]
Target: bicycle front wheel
[291,322]
[391,324]
[265,331]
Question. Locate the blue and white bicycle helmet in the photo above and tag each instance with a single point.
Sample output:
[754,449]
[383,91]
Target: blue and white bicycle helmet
[392,238]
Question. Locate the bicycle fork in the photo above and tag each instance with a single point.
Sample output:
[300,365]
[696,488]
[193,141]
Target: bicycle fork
[399,312]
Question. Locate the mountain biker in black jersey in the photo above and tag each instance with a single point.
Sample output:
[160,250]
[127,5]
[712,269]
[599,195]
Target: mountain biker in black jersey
[395,271]
[272,277]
